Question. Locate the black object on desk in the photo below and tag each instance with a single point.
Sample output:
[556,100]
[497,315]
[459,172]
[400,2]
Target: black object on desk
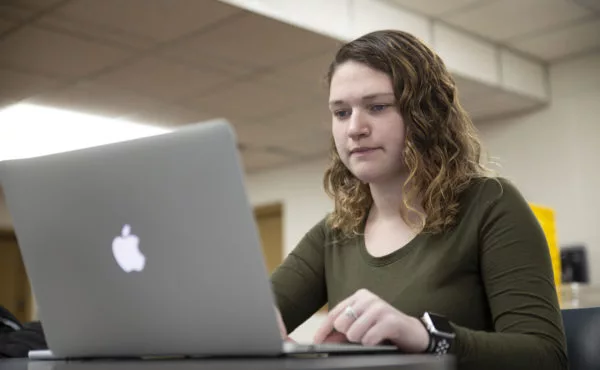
[582,329]
[574,264]
[338,362]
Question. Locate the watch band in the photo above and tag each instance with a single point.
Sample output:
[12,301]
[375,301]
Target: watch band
[438,346]
[440,342]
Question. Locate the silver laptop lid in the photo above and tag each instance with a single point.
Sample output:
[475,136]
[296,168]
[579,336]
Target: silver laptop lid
[144,247]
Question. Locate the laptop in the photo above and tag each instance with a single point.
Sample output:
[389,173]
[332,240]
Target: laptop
[147,248]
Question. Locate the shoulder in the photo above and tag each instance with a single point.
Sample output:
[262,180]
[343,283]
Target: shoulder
[487,192]
[491,197]
[315,239]
[321,228]
[320,232]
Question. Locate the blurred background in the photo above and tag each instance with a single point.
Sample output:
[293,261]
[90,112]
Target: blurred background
[78,73]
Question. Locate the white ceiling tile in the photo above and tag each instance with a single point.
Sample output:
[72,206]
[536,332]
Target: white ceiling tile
[95,99]
[593,5]
[19,10]
[256,160]
[304,131]
[314,15]
[88,31]
[251,99]
[164,80]
[303,122]
[56,54]
[561,42]
[370,16]
[249,43]
[6,25]
[502,103]
[35,5]
[17,85]
[307,75]
[434,7]
[501,20]
[310,146]
[5,103]
[167,116]
[14,14]
[159,20]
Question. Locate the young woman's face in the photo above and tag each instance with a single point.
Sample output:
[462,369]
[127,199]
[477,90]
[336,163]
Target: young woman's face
[367,127]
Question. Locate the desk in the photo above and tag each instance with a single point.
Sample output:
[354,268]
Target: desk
[338,362]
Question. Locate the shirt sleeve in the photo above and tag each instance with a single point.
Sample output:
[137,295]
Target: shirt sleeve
[299,283]
[517,274]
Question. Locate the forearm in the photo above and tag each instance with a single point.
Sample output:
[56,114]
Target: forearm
[490,351]
[298,290]
[299,282]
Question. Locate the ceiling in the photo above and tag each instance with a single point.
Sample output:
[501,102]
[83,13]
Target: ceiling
[171,63]
[548,30]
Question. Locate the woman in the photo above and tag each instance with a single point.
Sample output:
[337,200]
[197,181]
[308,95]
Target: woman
[425,249]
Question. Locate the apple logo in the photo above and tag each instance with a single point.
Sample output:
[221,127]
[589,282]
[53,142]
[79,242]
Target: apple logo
[126,251]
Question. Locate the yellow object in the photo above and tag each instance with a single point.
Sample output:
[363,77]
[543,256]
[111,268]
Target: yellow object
[546,219]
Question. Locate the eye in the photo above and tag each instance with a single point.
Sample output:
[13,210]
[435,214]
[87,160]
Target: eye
[341,114]
[378,107]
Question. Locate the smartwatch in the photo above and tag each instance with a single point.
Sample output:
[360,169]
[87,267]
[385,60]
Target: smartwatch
[441,333]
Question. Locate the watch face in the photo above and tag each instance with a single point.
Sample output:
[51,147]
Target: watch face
[441,324]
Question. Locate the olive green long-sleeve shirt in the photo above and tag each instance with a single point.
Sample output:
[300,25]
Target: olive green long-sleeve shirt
[491,275]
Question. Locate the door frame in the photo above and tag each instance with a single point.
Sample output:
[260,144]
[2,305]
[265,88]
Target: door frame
[9,235]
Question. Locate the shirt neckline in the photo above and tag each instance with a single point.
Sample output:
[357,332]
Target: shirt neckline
[390,257]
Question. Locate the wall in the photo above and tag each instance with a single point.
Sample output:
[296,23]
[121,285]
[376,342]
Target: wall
[551,155]
[304,202]
[300,191]
[5,222]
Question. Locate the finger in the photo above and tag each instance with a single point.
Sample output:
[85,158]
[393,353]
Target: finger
[377,334]
[365,321]
[335,337]
[345,321]
[282,328]
[328,324]
[361,298]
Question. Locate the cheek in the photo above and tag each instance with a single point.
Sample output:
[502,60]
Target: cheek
[394,138]
[398,134]
[338,138]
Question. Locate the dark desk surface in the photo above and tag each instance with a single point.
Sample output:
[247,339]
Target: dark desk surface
[338,362]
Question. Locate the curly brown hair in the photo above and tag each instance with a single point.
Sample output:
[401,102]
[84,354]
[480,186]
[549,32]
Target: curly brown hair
[442,151]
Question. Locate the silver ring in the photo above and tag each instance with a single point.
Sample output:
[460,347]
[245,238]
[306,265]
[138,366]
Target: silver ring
[349,311]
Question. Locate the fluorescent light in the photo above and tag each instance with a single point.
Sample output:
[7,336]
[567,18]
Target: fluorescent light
[28,130]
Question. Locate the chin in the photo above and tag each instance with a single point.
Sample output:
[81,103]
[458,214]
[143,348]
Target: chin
[374,174]
[368,175]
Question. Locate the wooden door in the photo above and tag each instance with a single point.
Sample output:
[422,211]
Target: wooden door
[270,225]
[15,292]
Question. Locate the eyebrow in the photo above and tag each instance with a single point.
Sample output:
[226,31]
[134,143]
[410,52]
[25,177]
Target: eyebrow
[364,98]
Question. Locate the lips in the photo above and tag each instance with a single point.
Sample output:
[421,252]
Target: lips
[362,150]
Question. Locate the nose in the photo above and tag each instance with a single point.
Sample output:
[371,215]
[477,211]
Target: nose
[358,125]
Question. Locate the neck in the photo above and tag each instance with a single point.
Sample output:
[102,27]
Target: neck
[387,198]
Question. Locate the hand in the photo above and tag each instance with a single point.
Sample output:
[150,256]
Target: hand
[370,321]
[282,329]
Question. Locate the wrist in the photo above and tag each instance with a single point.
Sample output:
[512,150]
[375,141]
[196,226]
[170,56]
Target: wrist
[422,339]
